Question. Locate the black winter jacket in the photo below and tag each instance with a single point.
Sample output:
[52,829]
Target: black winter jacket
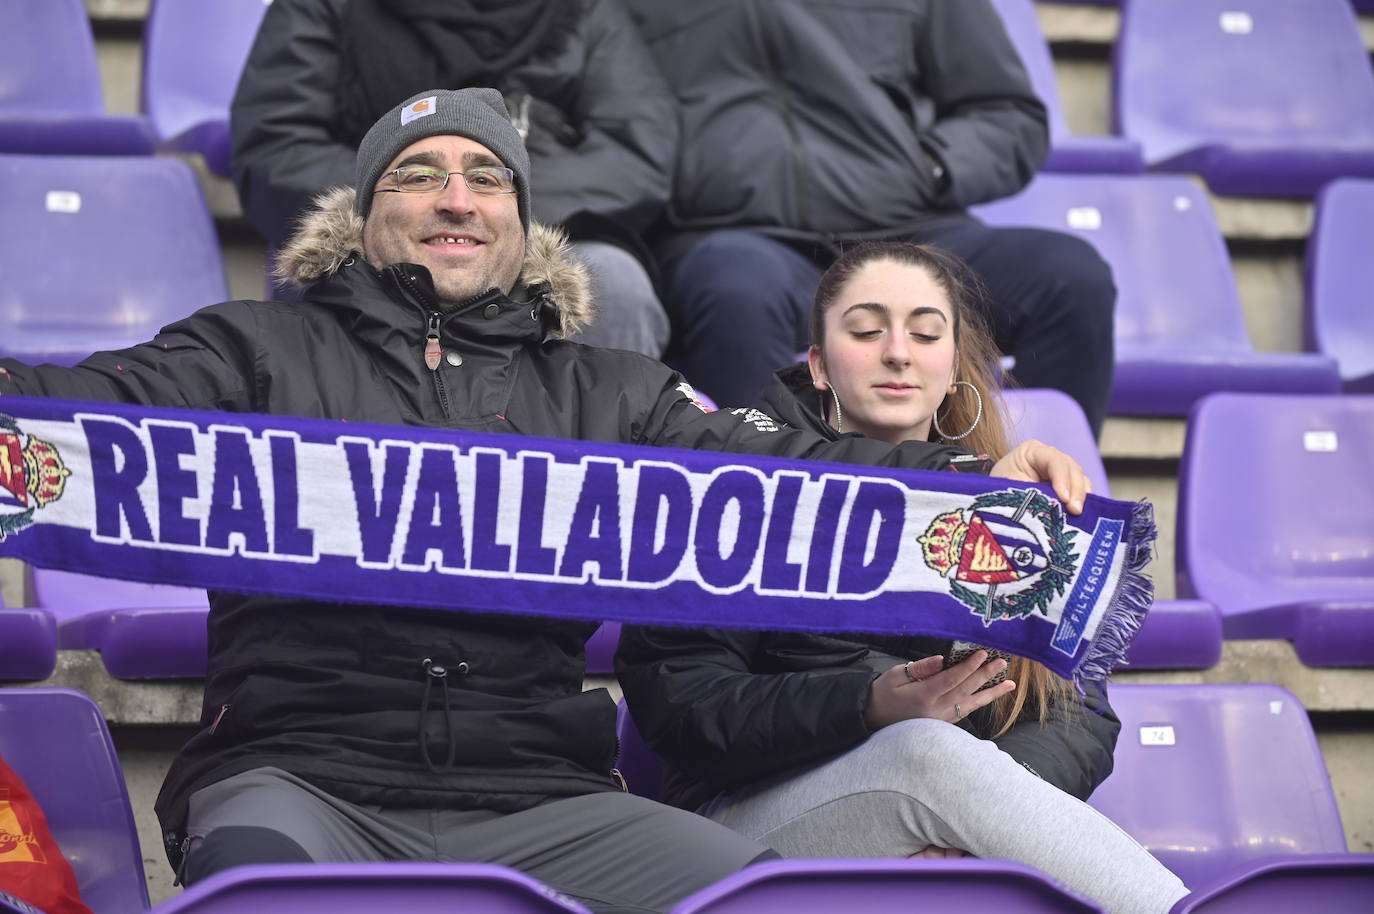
[610,182]
[336,693]
[812,119]
[726,708]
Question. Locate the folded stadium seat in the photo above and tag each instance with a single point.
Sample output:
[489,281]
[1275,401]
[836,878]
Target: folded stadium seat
[639,765]
[1315,882]
[126,246]
[1177,634]
[50,93]
[1340,310]
[193,54]
[1180,330]
[1276,520]
[28,643]
[57,741]
[1212,779]
[367,888]
[1068,152]
[827,886]
[143,631]
[1265,98]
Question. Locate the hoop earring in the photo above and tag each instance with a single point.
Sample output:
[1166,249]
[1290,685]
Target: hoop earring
[839,413]
[976,418]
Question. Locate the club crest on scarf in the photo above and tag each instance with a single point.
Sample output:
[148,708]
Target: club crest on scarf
[32,476]
[1007,556]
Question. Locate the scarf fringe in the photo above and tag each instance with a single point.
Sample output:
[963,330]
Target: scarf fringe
[1129,606]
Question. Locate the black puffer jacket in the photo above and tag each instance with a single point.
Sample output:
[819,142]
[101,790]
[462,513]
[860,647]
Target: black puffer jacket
[727,708]
[334,693]
[812,119]
[611,180]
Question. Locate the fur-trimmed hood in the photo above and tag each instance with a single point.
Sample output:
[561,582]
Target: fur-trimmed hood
[330,232]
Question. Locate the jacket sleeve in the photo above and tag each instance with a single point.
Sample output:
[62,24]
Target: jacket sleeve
[622,164]
[697,703]
[281,120]
[1073,749]
[991,131]
[674,420]
[205,361]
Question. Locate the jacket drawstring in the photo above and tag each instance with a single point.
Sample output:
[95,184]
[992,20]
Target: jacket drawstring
[435,671]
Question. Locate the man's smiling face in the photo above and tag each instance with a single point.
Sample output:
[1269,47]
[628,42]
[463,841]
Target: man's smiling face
[470,242]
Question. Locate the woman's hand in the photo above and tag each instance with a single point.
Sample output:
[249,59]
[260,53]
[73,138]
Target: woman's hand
[936,852]
[1035,461]
[922,689]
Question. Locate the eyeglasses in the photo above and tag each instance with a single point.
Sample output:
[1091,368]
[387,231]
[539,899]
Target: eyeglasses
[426,179]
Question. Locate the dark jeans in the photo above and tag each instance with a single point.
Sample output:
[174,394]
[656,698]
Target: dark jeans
[740,304]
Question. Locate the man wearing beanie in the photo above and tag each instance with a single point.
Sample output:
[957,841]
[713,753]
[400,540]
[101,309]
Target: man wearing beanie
[339,732]
[597,117]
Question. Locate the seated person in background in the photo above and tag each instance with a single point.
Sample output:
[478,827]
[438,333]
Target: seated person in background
[318,742]
[875,746]
[807,125]
[599,122]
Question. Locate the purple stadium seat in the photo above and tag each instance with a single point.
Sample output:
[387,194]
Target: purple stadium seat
[1340,294]
[126,245]
[827,886]
[1276,520]
[50,95]
[56,739]
[601,649]
[1055,418]
[1213,778]
[1261,97]
[1177,634]
[1180,330]
[28,644]
[143,631]
[1068,152]
[1311,883]
[639,765]
[193,53]
[369,888]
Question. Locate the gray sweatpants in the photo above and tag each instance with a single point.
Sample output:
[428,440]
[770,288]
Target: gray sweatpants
[610,851]
[924,782]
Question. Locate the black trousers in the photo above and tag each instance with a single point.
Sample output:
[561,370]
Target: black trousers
[740,303]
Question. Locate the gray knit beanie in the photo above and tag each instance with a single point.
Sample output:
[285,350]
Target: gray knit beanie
[478,114]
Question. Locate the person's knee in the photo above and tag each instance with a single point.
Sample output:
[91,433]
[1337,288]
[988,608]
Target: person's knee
[1075,265]
[921,750]
[736,266]
[240,845]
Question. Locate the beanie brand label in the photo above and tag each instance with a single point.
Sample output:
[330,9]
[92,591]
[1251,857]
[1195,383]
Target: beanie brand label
[423,108]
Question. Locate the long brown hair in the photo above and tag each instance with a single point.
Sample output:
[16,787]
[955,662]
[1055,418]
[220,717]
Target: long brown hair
[976,361]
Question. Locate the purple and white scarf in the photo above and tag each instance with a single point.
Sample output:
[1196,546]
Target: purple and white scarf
[340,511]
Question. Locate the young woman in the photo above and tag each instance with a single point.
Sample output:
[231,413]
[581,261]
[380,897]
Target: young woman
[868,746]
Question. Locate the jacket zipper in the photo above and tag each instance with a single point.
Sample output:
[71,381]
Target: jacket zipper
[219,716]
[432,353]
[433,350]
